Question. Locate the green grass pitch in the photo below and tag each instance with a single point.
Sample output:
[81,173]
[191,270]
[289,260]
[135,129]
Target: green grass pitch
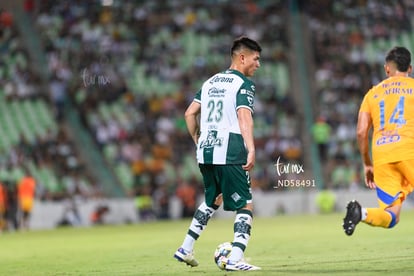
[283,245]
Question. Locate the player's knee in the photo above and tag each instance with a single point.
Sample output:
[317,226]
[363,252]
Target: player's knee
[395,218]
[219,200]
[248,206]
[392,224]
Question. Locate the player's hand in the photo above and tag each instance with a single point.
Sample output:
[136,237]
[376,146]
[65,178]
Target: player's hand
[369,177]
[251,156]
[195,138]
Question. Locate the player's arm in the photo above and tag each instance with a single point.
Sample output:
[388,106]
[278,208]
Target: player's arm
[190,116]
[363,126]
[246,128]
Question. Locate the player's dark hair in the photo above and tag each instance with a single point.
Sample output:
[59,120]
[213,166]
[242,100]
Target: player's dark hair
[401,56]
[245,42]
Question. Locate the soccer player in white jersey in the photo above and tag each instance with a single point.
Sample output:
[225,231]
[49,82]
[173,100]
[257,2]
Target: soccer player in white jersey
[225,150]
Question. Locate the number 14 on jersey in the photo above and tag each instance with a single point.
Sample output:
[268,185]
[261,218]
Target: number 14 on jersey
[397,115]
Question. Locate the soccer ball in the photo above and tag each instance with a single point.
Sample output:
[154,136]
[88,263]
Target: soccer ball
[221,254]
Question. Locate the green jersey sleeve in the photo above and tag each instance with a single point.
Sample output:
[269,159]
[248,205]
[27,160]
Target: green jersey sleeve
[197,97]
[245,96]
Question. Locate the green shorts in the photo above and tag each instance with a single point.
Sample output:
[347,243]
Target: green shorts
[231,181]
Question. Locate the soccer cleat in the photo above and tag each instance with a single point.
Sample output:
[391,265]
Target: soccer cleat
[352,218]
[188,258]
[240,266]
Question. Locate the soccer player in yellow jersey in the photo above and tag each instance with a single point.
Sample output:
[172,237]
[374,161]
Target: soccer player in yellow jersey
[386,109]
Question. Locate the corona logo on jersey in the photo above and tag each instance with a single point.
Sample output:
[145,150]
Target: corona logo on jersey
[221,79]
[211,140]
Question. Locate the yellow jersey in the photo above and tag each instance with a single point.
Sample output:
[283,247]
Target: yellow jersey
[391,106]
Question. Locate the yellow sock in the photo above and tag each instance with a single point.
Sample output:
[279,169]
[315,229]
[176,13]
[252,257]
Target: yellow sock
[380,217]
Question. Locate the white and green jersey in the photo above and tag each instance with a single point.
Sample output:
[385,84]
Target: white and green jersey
[220,140]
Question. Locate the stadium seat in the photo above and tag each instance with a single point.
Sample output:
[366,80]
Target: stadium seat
[125,176]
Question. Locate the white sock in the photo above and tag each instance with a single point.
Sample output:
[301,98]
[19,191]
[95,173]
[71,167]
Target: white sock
[236,254]
[197,226]
[188,243]
[242,226]
[364,213]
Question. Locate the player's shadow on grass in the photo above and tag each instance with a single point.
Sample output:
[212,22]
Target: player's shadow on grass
[359,266]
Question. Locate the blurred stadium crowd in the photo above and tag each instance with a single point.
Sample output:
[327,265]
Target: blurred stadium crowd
[130,68]
[350,40]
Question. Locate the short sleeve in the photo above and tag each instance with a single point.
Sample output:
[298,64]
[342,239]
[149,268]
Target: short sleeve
[197,97]
[245,96]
